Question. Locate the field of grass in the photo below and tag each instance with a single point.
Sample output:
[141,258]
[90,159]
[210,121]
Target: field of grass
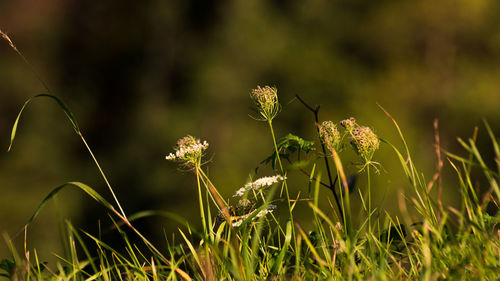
[253,235]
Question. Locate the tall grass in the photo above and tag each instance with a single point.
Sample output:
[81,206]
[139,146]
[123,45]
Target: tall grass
[247,240]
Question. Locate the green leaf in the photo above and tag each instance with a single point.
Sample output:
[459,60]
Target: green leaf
[61,104]
[288,145]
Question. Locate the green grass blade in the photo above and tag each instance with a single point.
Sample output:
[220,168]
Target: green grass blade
[494,142]
[91,192]
[193,251]
[279,261]
[61,104]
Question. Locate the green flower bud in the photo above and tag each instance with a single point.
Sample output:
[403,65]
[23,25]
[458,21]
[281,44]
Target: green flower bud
[266,99]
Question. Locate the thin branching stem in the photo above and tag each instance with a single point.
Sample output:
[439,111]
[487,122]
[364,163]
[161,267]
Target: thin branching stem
[315,111]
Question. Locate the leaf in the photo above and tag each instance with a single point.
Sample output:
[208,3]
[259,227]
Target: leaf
[61,104]
[290,144]
[8,266]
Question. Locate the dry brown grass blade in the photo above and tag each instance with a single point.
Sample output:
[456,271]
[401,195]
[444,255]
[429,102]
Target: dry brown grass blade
[7,38]
[437,177]
[13,46]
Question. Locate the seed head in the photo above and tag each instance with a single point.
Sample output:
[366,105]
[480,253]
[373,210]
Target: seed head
[266,100]
[349,124]
[330,135]
[365,142]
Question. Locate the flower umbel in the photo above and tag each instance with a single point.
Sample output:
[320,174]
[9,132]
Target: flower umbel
[266,99]
[258,184]
[330,135]
[188,150]
[365,142]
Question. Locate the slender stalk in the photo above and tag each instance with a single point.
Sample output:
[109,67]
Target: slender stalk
[214,189]
[25,60]
[283,174]
[200,198]
[103,175]
[369,200]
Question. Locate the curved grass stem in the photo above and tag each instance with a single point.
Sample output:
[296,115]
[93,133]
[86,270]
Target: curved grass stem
[103,175]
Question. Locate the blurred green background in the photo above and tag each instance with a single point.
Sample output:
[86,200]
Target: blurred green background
[138,75]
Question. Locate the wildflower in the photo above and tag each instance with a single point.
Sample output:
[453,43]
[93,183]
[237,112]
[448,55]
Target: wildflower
[266,99]
[188,150]
[365,142]
[258,184]
[349,124]
[330,135]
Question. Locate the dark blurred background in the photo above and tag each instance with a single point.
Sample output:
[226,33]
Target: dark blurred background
[138,75]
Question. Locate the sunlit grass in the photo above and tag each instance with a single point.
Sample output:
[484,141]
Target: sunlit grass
[245,239]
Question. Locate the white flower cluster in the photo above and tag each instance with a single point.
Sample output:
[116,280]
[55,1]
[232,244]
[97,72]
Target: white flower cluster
[195,148]
[270,209]
[257,184]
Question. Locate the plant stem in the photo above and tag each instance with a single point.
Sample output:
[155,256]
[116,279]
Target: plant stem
[369,200]
[215,189]
[200,198]
[283,174]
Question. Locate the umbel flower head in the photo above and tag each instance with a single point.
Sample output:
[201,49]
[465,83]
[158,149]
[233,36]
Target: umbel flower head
[258,184]
[365,142]
[266,99]
[188,150]
[330,135]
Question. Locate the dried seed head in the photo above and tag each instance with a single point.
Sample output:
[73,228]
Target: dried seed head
[266,99]
[349,124]
[330,135]
[364,142]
